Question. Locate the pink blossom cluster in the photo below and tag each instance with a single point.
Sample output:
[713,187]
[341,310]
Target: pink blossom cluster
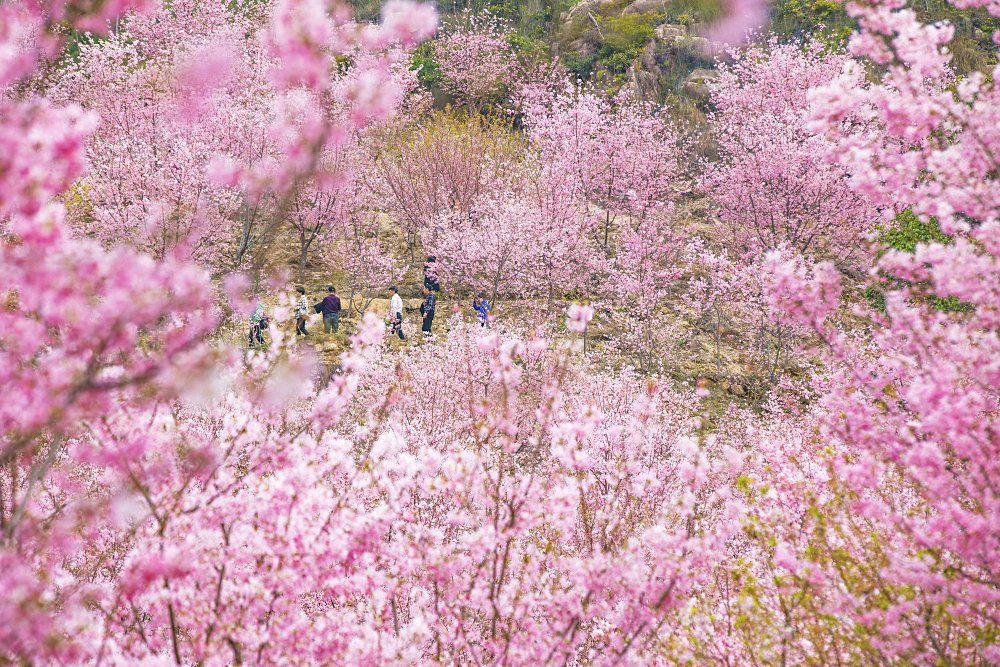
[772,185]
[584,206]
[491,497]
[476,59]
[204,143]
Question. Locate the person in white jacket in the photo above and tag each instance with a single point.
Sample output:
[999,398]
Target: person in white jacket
[396,313]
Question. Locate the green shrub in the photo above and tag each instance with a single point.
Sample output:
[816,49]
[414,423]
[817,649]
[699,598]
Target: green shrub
[423,58]
[581,67]
[528,47]
[907,230]
[798,17]
[624,39]
[903,234]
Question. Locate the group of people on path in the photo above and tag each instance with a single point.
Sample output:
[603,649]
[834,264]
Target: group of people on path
[395,315]
[429,305]
[330,306]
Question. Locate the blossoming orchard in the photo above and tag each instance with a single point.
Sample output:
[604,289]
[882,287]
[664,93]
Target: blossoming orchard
[488,334]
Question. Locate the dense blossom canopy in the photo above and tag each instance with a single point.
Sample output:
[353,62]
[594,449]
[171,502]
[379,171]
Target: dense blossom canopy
[496,496]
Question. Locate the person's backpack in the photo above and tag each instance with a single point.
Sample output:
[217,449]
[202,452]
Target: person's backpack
[318,307]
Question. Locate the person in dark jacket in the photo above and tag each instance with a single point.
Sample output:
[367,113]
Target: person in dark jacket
[431,281]
[331,310]
[427,310]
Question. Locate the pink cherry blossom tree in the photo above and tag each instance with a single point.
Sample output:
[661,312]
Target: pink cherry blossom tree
[648,262]
[622,151]
[487,251]
[491,497]
[98,344]
[771,185]
[172,89]
[440,170]
[476,59]
[361,249]
[622,157]
[910,416]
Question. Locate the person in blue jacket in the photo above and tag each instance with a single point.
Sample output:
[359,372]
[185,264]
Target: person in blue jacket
[482,307]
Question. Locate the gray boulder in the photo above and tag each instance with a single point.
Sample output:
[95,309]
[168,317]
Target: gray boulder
[579,10]
[669,33]
[645,85]
[700,45]
[648,60]
[588,44]
[646,7]
[700,84]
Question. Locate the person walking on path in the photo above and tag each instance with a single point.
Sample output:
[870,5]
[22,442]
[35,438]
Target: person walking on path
[331,310]
[482,307]
[396,313]
[427,310]
[301,312]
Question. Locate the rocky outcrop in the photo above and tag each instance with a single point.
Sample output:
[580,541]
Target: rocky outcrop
[588,44]
[669,33]
[664,61]
[701,45]
[645,85]
[648,58]
[581,10]
[700,83]
[646,7]
[646,78]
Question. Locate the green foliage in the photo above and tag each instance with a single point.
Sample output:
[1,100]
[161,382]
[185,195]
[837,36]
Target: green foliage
[428,73]
[824,19]
[875,297]
[528,47]
[508,10]
[905,232]
[579,65]
[692,13]
[530,19]
[950,304]
[76,40]
[908,230]
[971,48]
[628,33]
[624,39]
